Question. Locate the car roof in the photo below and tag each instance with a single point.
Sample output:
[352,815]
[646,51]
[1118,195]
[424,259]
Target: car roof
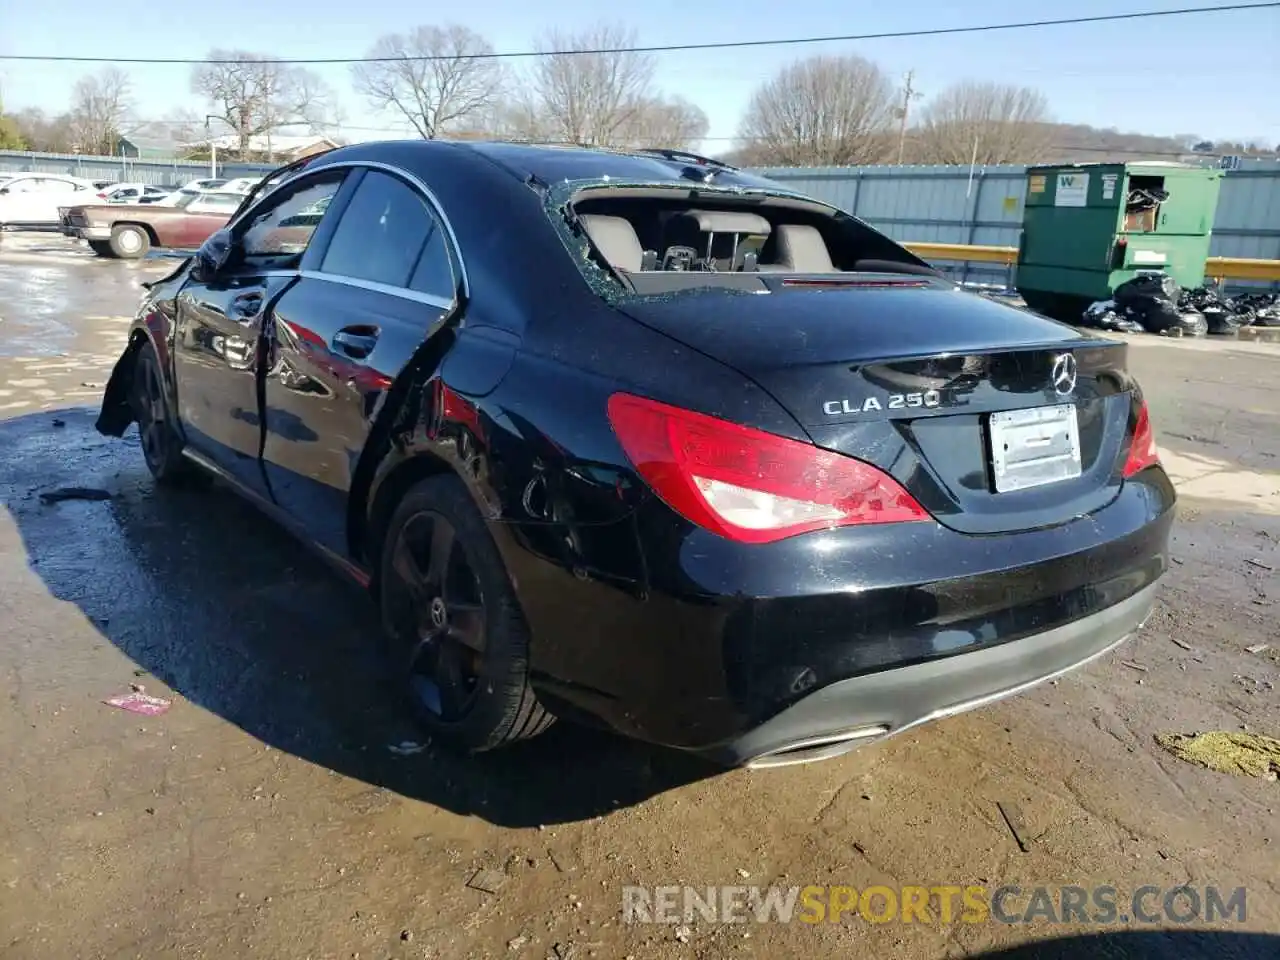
[553,162]
[556,162]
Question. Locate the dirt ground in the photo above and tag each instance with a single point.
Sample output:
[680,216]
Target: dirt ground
[265,814]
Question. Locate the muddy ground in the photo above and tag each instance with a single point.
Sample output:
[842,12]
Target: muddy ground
[265,816]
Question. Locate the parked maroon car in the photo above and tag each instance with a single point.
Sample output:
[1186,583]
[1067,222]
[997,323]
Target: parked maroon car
[128,231]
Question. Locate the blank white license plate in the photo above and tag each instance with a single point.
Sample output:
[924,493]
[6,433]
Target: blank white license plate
[1033,447]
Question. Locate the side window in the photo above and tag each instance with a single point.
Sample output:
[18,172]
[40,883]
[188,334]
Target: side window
[433,274]
[382,232]
[283,230]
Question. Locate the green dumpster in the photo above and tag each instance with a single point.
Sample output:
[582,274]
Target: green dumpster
[1087,228]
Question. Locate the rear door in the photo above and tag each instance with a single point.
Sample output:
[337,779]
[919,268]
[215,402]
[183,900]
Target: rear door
[383,283]
[219,334]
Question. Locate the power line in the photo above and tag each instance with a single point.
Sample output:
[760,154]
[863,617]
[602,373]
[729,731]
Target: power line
[674,47]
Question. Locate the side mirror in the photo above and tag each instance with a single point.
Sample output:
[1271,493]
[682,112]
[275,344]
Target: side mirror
[213,256]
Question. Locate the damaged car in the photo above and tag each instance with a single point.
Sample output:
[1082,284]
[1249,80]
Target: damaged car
[131,231]
[642,440]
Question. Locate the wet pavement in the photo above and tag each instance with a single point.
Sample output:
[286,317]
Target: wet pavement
[267,815]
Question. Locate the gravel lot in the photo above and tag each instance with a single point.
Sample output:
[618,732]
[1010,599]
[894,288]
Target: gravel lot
[265,816]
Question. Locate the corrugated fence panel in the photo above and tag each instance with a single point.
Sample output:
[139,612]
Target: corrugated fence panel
[159,172]
[1248,216]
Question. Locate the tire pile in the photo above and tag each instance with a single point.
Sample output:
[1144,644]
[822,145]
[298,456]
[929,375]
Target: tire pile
[1154,303]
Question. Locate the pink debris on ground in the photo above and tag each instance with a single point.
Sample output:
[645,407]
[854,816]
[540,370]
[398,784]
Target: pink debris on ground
[142,703]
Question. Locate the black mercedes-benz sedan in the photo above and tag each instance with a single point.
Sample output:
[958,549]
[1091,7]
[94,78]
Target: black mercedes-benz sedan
[640,439]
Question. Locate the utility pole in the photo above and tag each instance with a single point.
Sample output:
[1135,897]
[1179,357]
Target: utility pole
[908,93]
[213,147]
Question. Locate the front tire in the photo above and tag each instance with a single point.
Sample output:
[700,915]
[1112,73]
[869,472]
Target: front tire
[102,248]
[457,640]
[161,445]
[129,242]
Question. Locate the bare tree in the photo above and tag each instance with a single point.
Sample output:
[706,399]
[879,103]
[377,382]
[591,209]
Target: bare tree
[822,111]
[603,96]
[179,127]
[1002,122]
[675,123]
[100,105]
[255,95]
[436,77]
[517,117]
[590,98]
[52,135]
[11,137]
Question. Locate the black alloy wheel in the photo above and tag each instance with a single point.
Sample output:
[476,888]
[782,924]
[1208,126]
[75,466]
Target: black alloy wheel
[441,620]
[456,639]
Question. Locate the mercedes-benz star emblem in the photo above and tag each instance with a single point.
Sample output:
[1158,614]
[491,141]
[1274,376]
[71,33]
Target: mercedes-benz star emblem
[1064,374]
[438,613]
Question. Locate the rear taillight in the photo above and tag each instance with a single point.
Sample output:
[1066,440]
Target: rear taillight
[1142,451]
[748,485]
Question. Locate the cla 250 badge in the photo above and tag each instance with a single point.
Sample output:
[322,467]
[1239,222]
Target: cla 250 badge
[894,401]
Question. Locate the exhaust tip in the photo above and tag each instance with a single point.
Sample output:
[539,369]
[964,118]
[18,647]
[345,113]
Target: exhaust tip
[813,749]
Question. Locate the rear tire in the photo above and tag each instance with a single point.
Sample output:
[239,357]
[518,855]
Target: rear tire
[456,638]
[102,248]
[129,242]
[161,445]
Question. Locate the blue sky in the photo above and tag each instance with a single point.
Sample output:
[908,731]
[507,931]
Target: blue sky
[1217,74]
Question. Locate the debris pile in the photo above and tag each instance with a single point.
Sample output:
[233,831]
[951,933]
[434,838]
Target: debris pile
[1154,303]
[1241,754]
[1262,309]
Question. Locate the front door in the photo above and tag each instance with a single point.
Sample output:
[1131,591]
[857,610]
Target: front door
[219,340]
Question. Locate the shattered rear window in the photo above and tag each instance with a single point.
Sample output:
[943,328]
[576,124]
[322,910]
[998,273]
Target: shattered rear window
[658,238]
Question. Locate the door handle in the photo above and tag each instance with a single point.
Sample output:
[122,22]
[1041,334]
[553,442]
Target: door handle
[356,342]
[247,306]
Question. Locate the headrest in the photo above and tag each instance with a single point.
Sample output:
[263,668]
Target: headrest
[729,221]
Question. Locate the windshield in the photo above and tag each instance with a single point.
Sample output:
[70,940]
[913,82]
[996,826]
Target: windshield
[208,202]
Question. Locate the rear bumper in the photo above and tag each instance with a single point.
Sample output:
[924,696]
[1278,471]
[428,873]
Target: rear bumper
[672,635]
[849,713]
[88,233]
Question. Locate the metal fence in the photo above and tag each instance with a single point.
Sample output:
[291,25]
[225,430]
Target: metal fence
[938,204]
[984,206]
[163,173]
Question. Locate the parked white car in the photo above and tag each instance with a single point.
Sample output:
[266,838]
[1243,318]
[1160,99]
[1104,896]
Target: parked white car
[240,185]
[31,200]
[134,193]
[203,186]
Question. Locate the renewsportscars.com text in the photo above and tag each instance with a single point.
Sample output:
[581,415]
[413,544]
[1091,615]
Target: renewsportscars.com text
[939,904]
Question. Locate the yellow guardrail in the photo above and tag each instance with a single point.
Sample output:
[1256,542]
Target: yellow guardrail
[1219,268]
[964,251]
[1238,268]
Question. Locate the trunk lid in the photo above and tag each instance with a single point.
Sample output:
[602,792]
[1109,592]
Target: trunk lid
[909,376]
